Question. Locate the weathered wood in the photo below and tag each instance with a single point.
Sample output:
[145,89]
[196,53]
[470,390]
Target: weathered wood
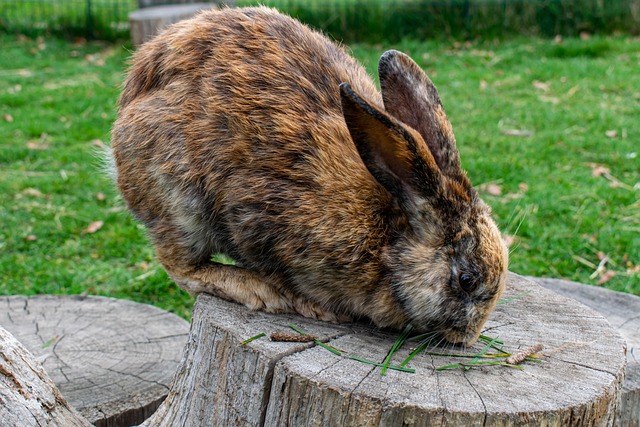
[264,383]
[112,359]
[146,23]
[28,397]
[623,312]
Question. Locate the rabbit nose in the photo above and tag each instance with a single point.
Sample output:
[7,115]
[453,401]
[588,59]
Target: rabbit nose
[461,338]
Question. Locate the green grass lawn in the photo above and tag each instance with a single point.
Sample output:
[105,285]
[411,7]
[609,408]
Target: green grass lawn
[550,134]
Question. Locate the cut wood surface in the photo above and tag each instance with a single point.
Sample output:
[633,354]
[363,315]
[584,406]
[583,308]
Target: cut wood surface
[28,397]
[112,359]
[623,312]
[265,383]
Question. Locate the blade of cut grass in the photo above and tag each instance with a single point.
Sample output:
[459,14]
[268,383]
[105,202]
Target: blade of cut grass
[472,364]
[370,362]
[482,352]
[318,342]
[486,338]
[469,356]
[495,343]
[253,338]
[401,339]
[504,301]
[420,348]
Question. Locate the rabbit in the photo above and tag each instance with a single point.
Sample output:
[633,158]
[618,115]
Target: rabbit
[246,133]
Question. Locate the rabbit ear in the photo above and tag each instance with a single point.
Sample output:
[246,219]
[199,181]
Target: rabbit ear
[411,97]
[396,156]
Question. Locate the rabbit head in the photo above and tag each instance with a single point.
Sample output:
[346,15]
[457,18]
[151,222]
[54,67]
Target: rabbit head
[447,262]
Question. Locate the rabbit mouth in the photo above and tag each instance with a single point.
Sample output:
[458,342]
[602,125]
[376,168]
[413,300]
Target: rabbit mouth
[466,338]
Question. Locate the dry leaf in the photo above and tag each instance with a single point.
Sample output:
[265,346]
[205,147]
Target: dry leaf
[7,118]
[493,189]
[517,132]
[31,238]
[606,276]
[32,192]
[94,226]
[100,196]
[612,133]
[37,145]
[41,144]
[483,84]
[540,85]
[591,237]
[523,187]
[599,170]
[550,99]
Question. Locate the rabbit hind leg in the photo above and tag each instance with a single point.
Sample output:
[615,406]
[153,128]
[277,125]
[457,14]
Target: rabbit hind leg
[196,273]
[192,270]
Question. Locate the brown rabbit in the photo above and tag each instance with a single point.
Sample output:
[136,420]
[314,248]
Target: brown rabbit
[243,132]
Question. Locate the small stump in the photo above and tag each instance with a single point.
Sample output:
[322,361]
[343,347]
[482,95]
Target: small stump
[146,23]
[29,397]
[111,359]
[221,382]
[623,312]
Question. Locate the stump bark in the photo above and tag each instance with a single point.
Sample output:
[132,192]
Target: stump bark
[265,383]
[28,397]
[112,359]
[623,312]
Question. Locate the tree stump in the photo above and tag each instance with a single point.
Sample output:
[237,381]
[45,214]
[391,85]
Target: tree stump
[623,312]
[146,23]
[112,359]
[266,383]
[29,397]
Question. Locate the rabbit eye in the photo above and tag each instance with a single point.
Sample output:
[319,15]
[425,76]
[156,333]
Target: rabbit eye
[466,282]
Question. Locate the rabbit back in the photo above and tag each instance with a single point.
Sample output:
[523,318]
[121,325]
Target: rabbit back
[231,132]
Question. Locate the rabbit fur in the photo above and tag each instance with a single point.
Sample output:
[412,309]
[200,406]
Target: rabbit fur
[244,132]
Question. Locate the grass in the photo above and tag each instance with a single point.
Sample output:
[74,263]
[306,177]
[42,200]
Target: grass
[99,19]
[547,131]
[353,20]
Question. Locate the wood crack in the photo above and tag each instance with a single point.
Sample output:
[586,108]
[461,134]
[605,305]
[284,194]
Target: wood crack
[268,382]
[484,406]
[574,363]
[628,321]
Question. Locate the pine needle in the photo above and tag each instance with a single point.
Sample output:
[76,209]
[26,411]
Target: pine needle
[424,344]
[486,348]
[401,339]
[395,368]
[495,343]
[513,298]
[469,365]
[253,338]
[316,341]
